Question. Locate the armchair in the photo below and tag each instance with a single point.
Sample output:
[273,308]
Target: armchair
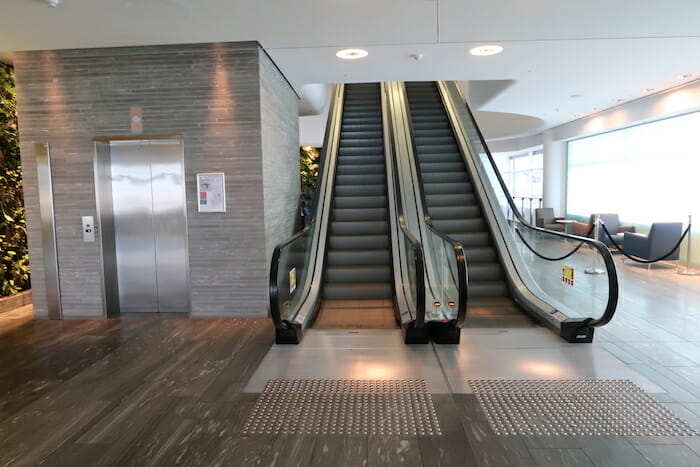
[612,223]
[662,237]
[544,217]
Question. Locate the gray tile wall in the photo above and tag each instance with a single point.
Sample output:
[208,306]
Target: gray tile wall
[280,146]
[208,93]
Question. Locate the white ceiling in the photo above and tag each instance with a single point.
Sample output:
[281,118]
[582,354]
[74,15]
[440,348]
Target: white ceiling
[553,49]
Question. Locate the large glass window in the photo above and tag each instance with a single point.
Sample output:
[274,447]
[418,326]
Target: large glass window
[646,173]
[522,172]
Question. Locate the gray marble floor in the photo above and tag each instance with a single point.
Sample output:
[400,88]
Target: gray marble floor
[160,391]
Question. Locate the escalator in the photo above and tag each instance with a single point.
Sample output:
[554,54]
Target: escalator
[454,207]
[414,226]
[355,265]
[513,267]
[357,290]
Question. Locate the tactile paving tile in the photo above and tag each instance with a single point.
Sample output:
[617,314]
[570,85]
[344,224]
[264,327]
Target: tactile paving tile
[328,406]
[575,407]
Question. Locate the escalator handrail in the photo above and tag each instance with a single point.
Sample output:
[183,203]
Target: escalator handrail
[416,248]
[613,284]
[460,257]
[276,253]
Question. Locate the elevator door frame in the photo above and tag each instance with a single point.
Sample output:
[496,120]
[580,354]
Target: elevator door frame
[105,219]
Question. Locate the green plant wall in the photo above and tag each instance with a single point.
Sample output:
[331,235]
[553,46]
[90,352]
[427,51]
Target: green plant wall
[308,169]
[14,256]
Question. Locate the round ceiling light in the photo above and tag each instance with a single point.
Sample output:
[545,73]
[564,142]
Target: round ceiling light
[648,89]
[484,50]
[351,54]
[685,76]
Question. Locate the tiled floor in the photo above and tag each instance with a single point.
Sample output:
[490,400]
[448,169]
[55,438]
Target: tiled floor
[154,391]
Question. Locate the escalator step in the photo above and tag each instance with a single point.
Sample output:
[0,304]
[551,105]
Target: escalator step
[358,242]
[358,273]
[458,199]
[447,188]
[357,169]
[360,215]
[370,256]
[364,228]
[480,272]
[461,226]
[462,211]
[355,202]
[428,167]
[358,180]
[358,291]
[488,289]
[360,190]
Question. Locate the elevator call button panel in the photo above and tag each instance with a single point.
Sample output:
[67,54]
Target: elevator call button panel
[88,229]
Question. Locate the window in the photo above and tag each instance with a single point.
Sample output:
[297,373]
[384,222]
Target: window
[522,172]
[646,173]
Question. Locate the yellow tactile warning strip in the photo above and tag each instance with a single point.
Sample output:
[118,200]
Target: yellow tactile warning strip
[331,406]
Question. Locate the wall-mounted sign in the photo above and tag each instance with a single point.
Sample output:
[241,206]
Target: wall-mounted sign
[211,192]
[567,274]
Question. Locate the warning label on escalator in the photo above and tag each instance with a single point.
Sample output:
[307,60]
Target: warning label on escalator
[567,275]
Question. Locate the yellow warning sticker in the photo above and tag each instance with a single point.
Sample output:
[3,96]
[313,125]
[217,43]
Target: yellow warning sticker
[567,274]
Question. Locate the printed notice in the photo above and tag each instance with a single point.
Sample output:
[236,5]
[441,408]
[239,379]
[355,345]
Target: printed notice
[211,192]
[292,280]
[567,274]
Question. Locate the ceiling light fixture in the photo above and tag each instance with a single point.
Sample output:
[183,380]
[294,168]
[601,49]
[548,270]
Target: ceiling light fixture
[685,76]
[648,89]
[575,116]
[351,54]
[485,50]
[619,99]
[52,3]
[576,96]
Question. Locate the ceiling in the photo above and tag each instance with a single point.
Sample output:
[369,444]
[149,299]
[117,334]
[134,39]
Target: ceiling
[595,50]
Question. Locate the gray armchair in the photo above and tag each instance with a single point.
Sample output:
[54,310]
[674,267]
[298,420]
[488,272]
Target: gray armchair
[662,237]
[544,217]
[612,223]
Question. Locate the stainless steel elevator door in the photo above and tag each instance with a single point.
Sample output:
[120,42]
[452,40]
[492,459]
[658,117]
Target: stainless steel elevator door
[150,232]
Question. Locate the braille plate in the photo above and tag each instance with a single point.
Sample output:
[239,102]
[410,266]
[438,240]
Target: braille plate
[575,407]
[331,406]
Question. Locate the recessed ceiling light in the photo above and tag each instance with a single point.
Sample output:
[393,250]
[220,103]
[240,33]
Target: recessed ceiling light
[648,89]
[484,50]
[594,109]
[351,54]
[619,99]
[575,116]
[576,96]
[686,76]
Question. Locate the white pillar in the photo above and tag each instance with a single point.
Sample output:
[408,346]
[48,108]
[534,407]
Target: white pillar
[554,174]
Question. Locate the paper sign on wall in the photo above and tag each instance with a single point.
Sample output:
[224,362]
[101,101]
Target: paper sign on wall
[567,274]
[211,192]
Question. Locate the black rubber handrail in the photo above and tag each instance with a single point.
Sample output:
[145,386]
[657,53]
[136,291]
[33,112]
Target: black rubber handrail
[613,284]
[276,253]
[416,248]
[460,258]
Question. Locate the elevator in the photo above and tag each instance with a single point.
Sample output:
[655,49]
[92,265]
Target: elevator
[142,225]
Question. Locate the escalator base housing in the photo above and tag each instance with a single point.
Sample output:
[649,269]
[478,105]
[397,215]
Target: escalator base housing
[289,335]
[573,331]
[416,335]
[445,335]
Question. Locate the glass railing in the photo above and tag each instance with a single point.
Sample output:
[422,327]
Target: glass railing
[409,273]
[296,265]
[445,264]
[569,281]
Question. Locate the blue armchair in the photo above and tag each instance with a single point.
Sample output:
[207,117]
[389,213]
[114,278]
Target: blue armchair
[662,237]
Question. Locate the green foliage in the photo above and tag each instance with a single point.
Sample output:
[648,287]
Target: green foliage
[308,168]
[14,256]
